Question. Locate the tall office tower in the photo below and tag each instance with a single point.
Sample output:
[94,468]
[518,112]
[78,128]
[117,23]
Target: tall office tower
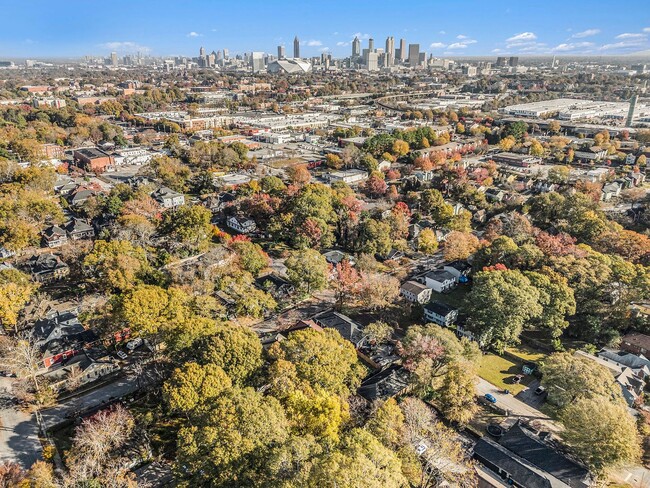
[402,50]
[356,48]
[257,62]
[630,113]
[211,58]
[513,61]
[371,45]
[296,47]
[226,53]
[502,61]
[414,55]
[390,51]
[114,59]
[281,52]
[219,55]
[372,61]
[202,52]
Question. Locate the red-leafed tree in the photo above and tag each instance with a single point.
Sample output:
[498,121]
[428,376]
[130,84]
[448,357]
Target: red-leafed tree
[376,186]
[345,281]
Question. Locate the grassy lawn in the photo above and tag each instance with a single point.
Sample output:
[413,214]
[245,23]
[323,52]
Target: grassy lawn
[499,371]
[454,298]
[525,353]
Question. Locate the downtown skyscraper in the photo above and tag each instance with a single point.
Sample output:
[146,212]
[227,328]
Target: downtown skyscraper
[296,47]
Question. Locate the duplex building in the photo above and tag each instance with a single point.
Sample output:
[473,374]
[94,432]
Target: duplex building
[168,198]
[243,225]
[415,292]
[439,280]
[440,313]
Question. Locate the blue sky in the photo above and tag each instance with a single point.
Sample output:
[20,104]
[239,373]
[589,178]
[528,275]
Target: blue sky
[33,28]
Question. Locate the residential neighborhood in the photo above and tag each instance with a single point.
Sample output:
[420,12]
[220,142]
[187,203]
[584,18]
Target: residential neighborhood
[331,267]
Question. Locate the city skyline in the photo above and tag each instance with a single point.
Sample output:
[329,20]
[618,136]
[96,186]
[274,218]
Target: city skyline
[461,29]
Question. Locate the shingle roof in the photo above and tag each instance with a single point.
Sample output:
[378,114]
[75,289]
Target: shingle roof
[439,308]
[413,287]
[347,327]
[495,456]
[439,275]
[525,445]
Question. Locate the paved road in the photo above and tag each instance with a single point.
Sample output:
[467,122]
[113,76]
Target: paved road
[514,406]
[636,476]
[18,430]
[95,398]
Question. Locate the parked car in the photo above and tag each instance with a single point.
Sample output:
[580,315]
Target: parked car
[517,379]
[490,398]
[540,390]
[122,355]
[134,344]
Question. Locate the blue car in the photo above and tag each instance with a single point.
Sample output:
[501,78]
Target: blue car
[490,398]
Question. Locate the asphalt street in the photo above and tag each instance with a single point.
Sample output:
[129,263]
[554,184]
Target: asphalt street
[19,440]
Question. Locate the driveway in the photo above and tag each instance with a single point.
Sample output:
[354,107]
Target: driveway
[515,407]
[62,412]
[19,440]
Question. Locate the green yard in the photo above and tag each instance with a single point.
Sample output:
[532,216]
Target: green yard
[499,371]
[526,353]
[454,298]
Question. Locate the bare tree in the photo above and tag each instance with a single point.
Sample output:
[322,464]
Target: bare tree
[95,443]
[22,356]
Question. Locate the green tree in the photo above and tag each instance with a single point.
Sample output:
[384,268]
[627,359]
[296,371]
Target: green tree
[16,289]
[321,359]
[427,241]
[556,297]
[362,462]
[433,203]
[387,424]
[189,224]
[232,434]
[379,331]
[568,377]
[516,129]
[457,395]
[499,305]
[400,148]
[162,316]
[194,386]
[251,256]
[307,270]
[117,265]
[316,413]
[601,433]
[236,349]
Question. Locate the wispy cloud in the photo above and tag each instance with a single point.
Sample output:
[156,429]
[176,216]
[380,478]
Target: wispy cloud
[572,47]
[646,29]
[461,36]
[125,47]
[342,43]
[524,36]
[360,35]
[313,43]
[631,35]
[625,45]
[193,34]
[585,33]
[457,45]
[437,45]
